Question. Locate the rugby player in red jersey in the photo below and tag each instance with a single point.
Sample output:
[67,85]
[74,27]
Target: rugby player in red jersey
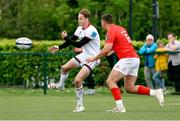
[118,40]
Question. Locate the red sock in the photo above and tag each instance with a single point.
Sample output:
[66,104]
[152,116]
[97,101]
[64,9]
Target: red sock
[116,92]
[143,90]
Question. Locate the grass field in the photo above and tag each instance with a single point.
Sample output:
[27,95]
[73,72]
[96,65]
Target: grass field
[30,104]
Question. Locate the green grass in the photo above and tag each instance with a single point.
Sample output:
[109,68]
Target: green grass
[30,104]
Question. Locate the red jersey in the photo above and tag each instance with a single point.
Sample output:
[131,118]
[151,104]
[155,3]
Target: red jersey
[122,45]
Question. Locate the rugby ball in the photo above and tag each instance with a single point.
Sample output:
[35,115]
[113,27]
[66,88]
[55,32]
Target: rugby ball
[51,86]
[23,43]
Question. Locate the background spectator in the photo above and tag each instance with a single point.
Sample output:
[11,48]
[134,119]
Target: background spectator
[147,49]
[161,67]
[174,62]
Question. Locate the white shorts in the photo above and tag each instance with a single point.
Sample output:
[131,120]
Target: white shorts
[80,60]
[128,66]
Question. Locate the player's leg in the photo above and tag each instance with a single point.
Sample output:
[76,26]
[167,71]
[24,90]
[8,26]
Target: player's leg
[83,73]
[112,80]
[120,69]
[130,86]
[130,80]
[64,72]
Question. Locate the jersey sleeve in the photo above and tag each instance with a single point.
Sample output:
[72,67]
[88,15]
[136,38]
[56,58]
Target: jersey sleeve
[92,33]
[77,32]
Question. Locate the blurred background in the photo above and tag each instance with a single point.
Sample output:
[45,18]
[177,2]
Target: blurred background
[44,19]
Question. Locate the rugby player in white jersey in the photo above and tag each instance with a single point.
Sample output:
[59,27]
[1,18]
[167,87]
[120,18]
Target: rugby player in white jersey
[89,41]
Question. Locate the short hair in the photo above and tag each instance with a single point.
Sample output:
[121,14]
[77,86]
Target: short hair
[160,42]
[170,33]
[107,18]
[86,13]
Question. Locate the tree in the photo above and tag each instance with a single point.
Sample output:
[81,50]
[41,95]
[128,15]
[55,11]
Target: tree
[44,19]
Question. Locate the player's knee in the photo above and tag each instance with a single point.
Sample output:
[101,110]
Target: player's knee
[130,89]
[78,82]
[64,69]
[108,82]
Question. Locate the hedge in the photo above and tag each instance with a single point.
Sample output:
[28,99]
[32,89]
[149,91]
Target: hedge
[27,70]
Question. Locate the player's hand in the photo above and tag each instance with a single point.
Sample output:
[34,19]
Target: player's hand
[53,49]
[91,59]
[77,50]
[63,34]
[110,53]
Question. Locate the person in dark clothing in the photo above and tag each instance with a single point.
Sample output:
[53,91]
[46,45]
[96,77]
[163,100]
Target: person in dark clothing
[90,83]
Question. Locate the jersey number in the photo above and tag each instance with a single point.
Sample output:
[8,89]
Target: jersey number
[126,35]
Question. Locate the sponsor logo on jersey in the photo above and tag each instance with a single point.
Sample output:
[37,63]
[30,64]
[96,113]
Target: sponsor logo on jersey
[93,34]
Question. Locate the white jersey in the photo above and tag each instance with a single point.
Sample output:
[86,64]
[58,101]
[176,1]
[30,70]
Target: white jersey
[92,48]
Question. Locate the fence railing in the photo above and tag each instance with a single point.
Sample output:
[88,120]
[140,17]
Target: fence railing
[46,54]
[42,54]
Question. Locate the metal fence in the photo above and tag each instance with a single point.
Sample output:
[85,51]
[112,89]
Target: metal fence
[46,54]
[41,54]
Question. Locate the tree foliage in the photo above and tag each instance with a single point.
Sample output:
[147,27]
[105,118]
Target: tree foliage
[44,19]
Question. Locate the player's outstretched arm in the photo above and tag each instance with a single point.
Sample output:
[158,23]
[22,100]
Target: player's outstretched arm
[53,49]
[64,36]
[79,44]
